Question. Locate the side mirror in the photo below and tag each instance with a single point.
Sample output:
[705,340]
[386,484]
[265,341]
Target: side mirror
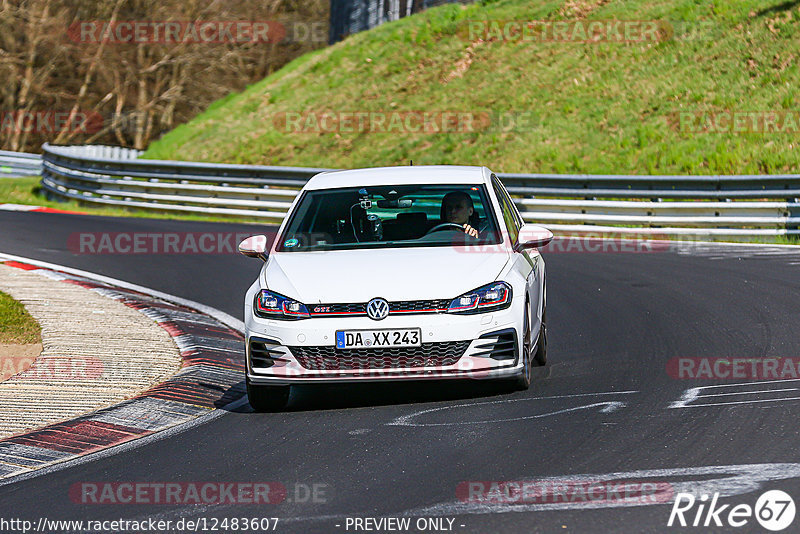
[254,247]
[532,236]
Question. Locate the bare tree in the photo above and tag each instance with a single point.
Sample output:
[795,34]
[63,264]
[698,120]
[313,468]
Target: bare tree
[139,88]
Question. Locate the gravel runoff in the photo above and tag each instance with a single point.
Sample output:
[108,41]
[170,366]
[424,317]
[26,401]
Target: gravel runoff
[96,352]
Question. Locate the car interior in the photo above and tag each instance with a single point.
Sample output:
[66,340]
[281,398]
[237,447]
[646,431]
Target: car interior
[355,216]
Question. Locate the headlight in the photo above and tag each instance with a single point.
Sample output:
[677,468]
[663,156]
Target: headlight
[270,305]
[494,296]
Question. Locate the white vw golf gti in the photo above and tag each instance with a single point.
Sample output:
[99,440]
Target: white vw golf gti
[396,273]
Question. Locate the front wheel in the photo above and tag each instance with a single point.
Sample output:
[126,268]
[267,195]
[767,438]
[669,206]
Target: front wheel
[267,398]
[540,357]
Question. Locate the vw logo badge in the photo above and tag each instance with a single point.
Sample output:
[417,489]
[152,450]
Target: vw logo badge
[377,309]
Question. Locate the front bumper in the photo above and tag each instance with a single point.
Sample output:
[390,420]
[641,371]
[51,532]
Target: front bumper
[283,345]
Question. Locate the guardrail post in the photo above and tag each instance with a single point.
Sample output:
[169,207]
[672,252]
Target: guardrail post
[793,207]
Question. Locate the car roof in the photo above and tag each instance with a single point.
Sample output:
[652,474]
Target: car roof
[418,174]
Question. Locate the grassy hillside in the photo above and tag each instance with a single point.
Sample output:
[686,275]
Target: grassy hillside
[605,107]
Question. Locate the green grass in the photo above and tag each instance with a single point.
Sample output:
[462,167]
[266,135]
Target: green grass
[16,324]
[594,108]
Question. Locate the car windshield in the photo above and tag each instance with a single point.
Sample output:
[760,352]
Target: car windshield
[390,216]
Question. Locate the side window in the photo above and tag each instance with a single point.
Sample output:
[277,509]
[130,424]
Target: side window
[508,211]
[514,210]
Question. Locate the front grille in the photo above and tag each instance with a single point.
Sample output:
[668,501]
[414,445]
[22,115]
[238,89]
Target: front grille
[419,306]
[328,358]
[397,307]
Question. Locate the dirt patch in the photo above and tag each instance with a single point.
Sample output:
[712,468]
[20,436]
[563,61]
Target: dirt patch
[16,358]
[579,9]
[463,64]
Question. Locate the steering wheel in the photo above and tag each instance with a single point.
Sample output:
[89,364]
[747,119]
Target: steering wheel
[444,226]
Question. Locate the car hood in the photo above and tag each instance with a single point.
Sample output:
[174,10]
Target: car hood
[394,274]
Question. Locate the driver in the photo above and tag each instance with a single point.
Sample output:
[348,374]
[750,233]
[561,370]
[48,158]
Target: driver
[457,208]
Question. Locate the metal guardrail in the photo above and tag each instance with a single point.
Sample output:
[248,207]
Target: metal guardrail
[749,205]
[218,189]
[13,164]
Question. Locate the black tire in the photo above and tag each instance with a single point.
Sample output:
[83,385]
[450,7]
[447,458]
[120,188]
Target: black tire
[267,398]
[522,381]
[540,356]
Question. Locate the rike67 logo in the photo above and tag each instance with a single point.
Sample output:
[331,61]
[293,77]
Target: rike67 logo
[774,510]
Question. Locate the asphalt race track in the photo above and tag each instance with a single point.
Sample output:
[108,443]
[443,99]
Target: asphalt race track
[601,406]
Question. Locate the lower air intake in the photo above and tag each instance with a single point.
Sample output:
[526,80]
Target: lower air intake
[328,358]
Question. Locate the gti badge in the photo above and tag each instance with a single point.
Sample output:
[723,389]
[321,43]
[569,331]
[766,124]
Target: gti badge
[377,309]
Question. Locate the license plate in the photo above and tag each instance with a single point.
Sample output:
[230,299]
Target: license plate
[367,339]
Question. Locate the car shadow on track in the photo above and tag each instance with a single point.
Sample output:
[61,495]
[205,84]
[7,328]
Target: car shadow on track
[359,395]
[229,396]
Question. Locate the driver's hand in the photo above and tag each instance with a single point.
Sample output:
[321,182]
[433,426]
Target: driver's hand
[470,231]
